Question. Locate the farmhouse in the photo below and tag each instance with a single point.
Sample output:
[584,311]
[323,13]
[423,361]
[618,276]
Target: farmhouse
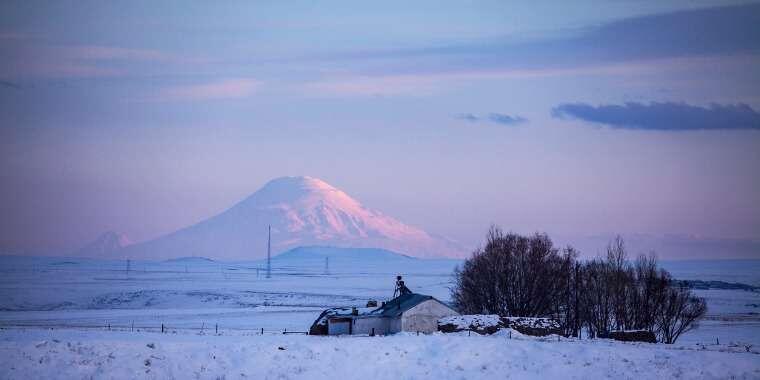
[406,312]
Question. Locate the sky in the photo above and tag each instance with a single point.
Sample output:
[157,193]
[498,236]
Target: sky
[581,119]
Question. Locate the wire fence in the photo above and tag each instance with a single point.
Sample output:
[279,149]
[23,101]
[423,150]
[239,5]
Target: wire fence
[162,328]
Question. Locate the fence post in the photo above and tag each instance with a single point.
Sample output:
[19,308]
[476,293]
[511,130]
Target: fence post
[285,331]
[216,328]
[162,328]
[132,327]
[109,327]
[510,334]
[262,331]
[203,325]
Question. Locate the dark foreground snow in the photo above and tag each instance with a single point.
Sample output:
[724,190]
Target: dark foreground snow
[73,354]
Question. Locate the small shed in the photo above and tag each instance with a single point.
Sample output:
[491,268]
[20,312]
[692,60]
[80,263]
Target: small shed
[408,312]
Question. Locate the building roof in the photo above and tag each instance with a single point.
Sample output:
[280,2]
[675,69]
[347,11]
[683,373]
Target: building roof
[391,309]
[400,304]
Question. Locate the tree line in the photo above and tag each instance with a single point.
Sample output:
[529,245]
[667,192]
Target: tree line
[527,276]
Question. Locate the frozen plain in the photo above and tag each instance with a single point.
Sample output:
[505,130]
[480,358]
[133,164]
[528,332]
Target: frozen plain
[193,297]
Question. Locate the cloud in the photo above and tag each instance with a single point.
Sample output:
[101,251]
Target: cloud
[96,53]
[506,119]
[667,116]
[222,89]
[9,84]
[361,85]
[499,118]
[694,34]
[467,117]
[36,58]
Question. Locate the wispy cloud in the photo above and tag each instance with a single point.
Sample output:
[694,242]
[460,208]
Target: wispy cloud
[667,116]
[233,88]
[9,84]
[493,117]
[694,34]
[96,53]
[39,59]
[506,119]
[360,85]
[472,118]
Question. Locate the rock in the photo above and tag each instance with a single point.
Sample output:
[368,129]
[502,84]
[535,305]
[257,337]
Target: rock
[532,326]
[487,324]
[483,324]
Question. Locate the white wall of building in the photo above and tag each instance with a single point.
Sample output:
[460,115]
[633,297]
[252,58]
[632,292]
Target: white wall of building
[365,326]
[338,328]
[424,317]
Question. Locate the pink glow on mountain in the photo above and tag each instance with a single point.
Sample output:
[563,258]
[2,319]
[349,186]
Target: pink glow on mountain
[302,211]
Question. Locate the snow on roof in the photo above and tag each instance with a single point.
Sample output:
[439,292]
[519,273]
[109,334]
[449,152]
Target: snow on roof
[392,308]
[400,304]
[341,312]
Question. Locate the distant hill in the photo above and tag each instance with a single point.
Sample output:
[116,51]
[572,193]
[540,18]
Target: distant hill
[320,253]
[191,260]
[303,211]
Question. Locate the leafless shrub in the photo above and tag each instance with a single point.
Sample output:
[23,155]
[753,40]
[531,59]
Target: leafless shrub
[521,276]
[512,275]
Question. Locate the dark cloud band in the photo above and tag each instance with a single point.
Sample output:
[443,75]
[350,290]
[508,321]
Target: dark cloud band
[668,116]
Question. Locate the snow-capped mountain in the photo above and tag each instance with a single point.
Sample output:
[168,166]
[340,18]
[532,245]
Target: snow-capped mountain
[302,211]
[105,245]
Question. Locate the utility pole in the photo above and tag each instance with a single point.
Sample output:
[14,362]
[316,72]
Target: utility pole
[269,251]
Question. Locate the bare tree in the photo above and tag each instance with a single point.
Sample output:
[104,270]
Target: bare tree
[680,312]
[514,275]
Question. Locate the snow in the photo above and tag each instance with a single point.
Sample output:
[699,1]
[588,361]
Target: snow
[302,211]
[542,323]
[476,320]
[122,354]
[186,295]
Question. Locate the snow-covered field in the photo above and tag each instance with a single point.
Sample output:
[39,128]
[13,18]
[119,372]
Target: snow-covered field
[79,298]
[41,354]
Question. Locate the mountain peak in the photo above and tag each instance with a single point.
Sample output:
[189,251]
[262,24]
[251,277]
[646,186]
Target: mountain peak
[302,211]
[298,181]
[107,243]
[295,186]
[300,192]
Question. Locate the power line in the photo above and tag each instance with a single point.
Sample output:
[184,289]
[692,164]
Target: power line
[269,251]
